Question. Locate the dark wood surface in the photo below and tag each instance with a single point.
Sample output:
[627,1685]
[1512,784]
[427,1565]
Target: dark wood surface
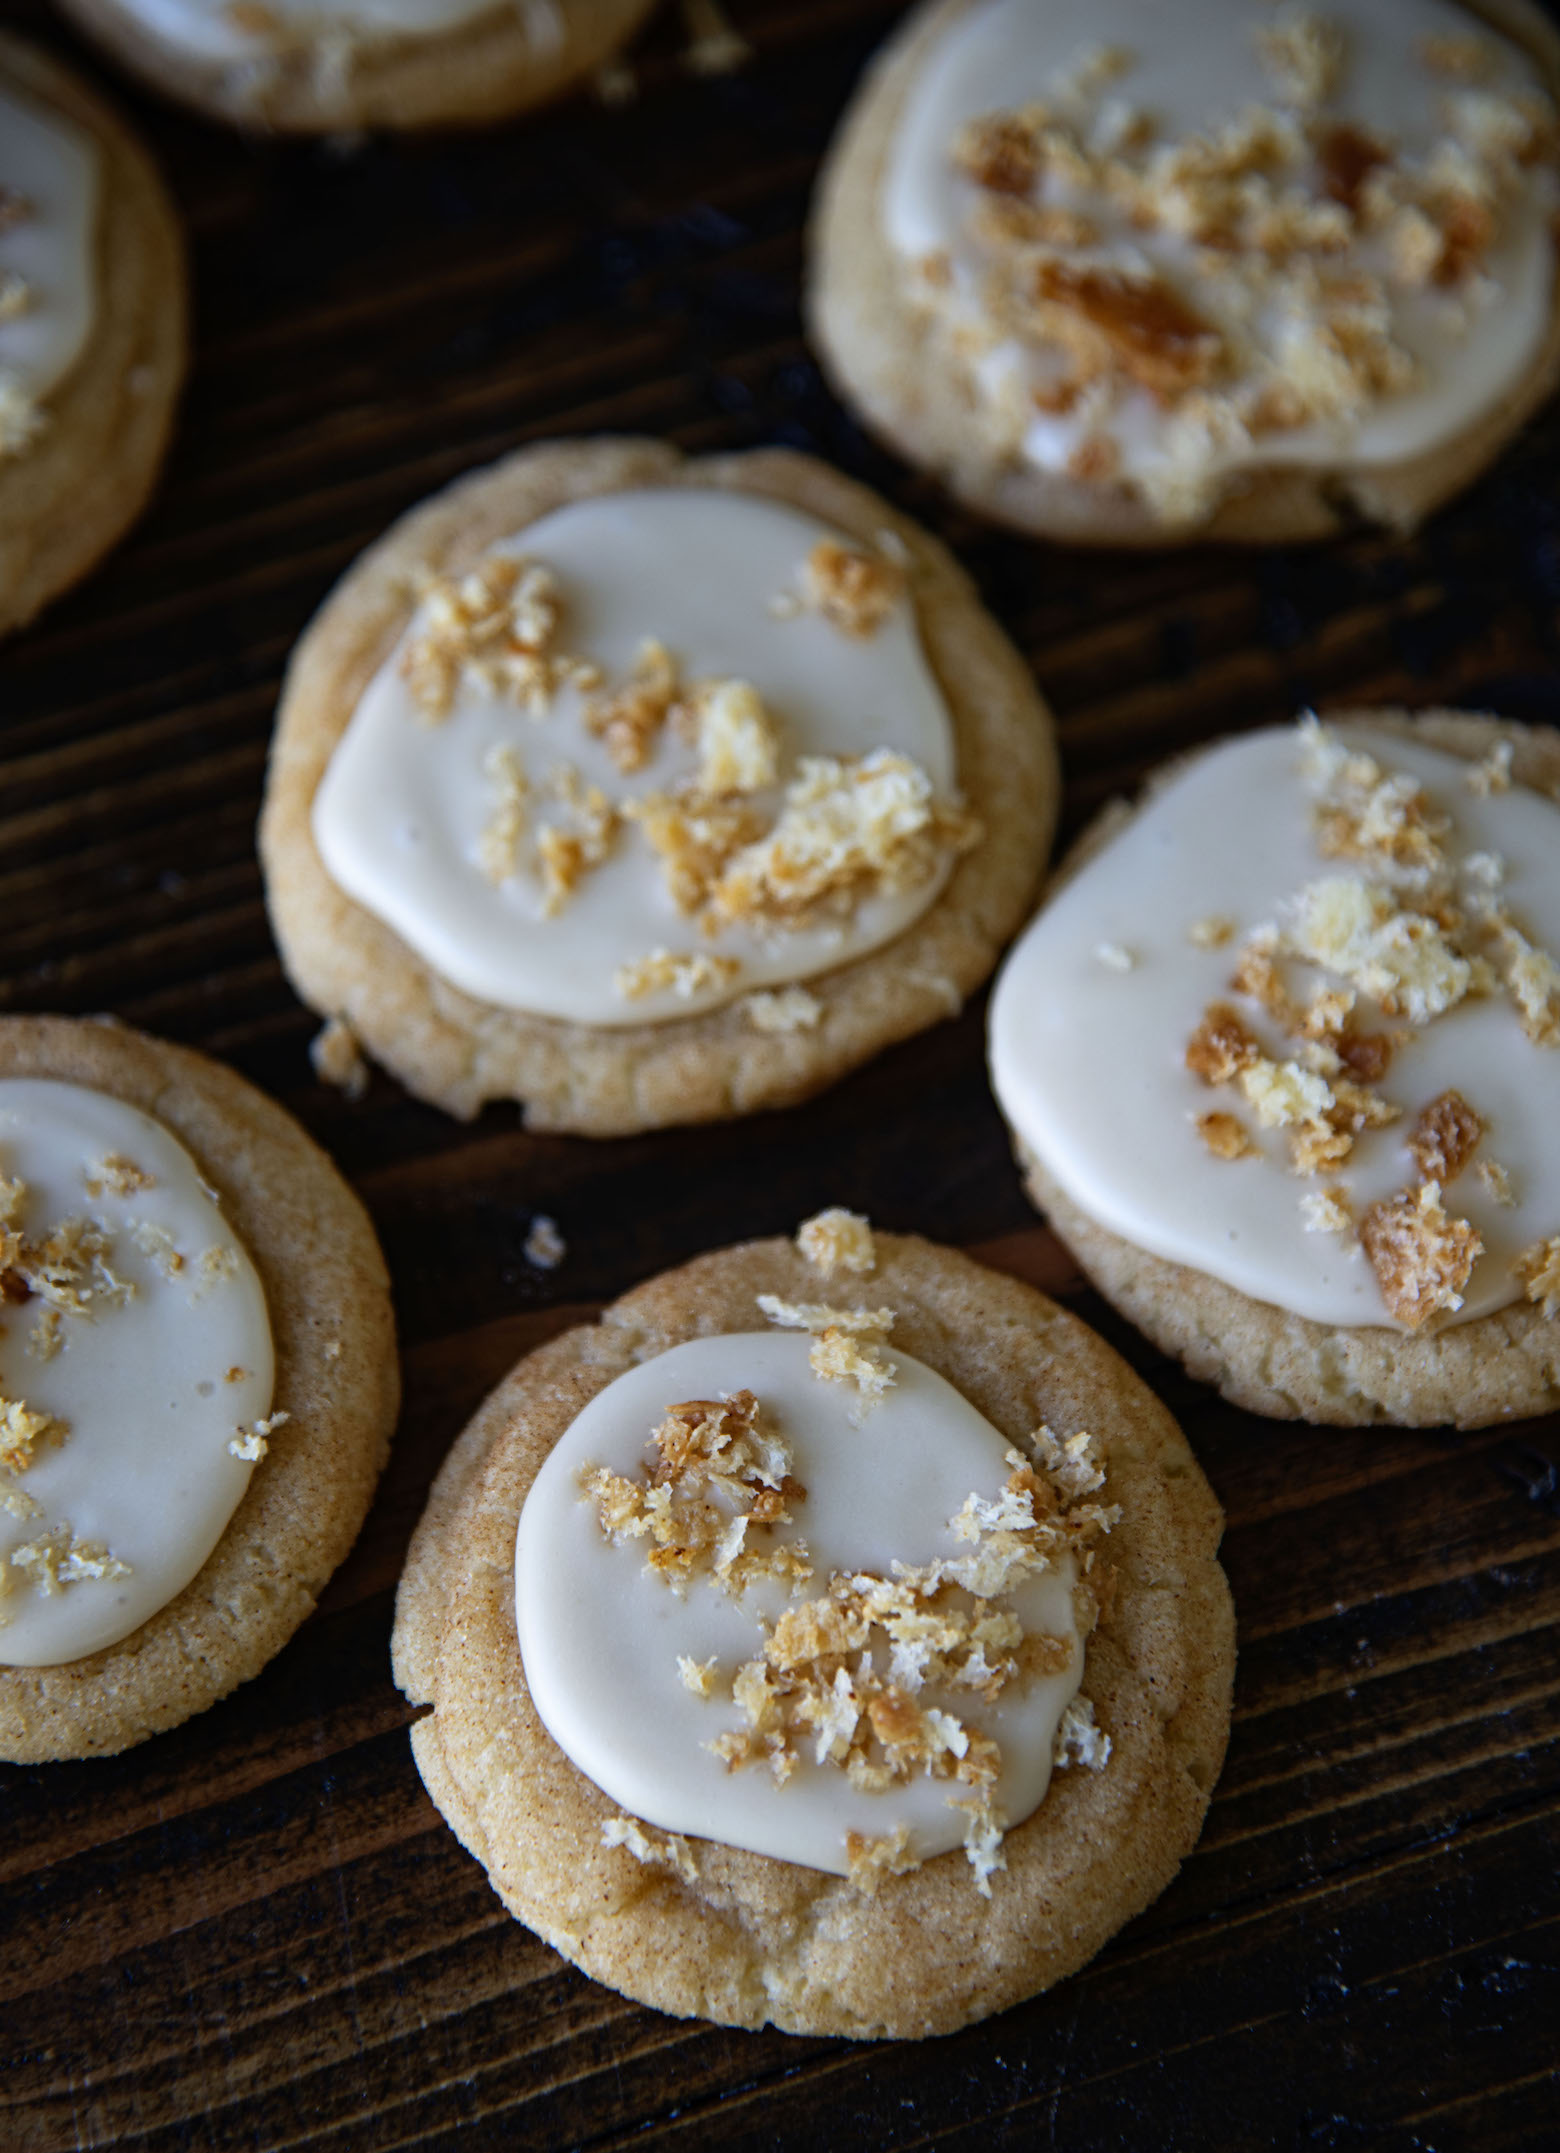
[256,1931]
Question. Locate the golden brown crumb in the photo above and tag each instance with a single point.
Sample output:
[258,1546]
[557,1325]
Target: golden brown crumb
[1157,338]
[1225,1136]
[1326,1211]
[1079,1740]
[1532,979]
[631,719]
[120,1176]
[47,1335]
[494,627]
[1421,1255]
[850,829]
[1538,1268]
[697,1676]
[1444,1137]
[1303,53]
[739,750]
[218,1265]
[251,1444]
[235,1374]
[787,1009]
[837,1357]
[854,590]
[1493,774]
[871,1860]
[566,856]
[1000,152]
[837,1240]
[498,846]
[157,1243]
[334,1053]
[695,838]
[684,973]
[24,1431]
[1221,1047]
[57,1559]
[1347,155]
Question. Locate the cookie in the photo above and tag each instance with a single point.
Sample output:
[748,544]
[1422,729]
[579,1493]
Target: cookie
[1280,1056]
[335,66]
[894,1672]
[197,1356]
[92,336]
[687,786]
[1156,274]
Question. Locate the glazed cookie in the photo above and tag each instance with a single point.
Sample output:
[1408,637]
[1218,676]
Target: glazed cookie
[685,788]
[197,1383]
[1282,1059]
[1145,273]
[326,66]
[831,1636]
[91,329]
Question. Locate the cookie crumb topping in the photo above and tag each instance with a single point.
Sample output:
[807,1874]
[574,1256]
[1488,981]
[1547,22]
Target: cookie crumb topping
[495,627]
[57,1559]
[854,590]
[836,1355]
[1539,1270]
[1421,1255]
[837,1240]
[119,1175]
[783,1009]
[681,972]
[656,1850]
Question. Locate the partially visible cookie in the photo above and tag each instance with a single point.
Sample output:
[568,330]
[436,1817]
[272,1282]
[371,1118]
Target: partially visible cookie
[686,786]
[196,1351]
[1281,1058]
[333,66]
[1132,275]
[92,337]
[873,1685]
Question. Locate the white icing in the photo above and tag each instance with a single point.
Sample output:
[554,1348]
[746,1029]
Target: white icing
[1196,68]
[600,1638]
[399,815]
[54,167]
[145,1471]
[1088,1058]
[206,29]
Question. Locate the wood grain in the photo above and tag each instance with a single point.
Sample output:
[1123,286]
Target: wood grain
[255,1931]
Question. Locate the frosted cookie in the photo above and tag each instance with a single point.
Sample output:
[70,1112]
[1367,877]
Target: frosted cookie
[1282,1059]
[322,66]
[1145,273]
[646,791]
[830,1636]
[91,329]
[197,1383]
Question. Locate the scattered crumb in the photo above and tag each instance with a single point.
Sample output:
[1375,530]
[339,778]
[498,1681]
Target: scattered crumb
[544,1244]
[854,590]
[657,1850]
[871,1860]
[57,1559]
[218,1265]
[118,1175]
[1214,932]
[565,855]
[157,1243]
[494,627]
[1079,1740]
[1304,54]
[1497,1182]
[334,1052]
[1326,1211]
[47,1336]
[1225,1136]
[1493,774]
[498,845]
[632,718]
[739,751]
[787,1009]
[697,1676]
[1422,1256]
[837,1240]
[684,973]
[24,1432]
[1538,1268]
[251,1444]
[1444,1137]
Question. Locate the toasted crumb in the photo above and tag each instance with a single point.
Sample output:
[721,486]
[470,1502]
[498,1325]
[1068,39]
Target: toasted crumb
[47,1336]
[837,1240]
[251,1444]
[1497,1182]
[1326,1211]
[1225,1136]
[818,1316]
[836,1357]
[498,846]
[494,627]
[887,1854]
[1538,1268]
[1532,979]
[631,719]
[1422,1256]
[656,1850]
[1401,959]
[120,1176]
[787,1009]
[684,973]
[337,1061]
[566,855]
[1221,1047]
[24,1432]
[544,1244]
[1114,957]
[1213,932]
[57,1559]
[1444,1137]
[218,1265]
[854,590]
[1304,54]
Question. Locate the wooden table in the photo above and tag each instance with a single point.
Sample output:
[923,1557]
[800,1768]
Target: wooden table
[256,1931]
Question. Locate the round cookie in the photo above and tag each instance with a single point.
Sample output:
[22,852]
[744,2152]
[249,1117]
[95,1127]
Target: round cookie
[336,1385]
[73,487]
[1500,1365]
[873,319]
[601,1079]
[338,68]
[742,1937]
